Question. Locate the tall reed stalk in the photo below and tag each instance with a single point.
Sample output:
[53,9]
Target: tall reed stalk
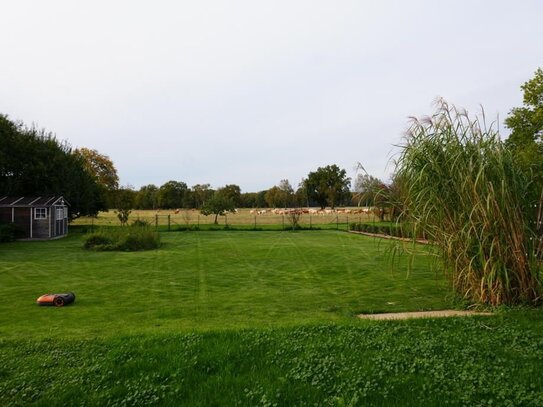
[463,190]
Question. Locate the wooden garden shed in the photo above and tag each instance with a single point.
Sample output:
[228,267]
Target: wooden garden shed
[37,217]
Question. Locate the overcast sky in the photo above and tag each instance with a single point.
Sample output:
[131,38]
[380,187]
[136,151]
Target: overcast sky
[252,92]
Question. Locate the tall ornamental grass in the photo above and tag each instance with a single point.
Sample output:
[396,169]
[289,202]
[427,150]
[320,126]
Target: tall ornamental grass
[462,189]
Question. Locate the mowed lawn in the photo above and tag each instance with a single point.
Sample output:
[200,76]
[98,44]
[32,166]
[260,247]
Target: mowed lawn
[251,319]
[209,280]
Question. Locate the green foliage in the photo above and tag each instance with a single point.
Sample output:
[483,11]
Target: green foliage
[34,163]
[10,232]
[281,195]
[250,319]
[273,197]
[123,215]
[100,167]
[200,193]
[171,195]
[462,188]
[366,188]
[328,186]
[218,205]
[526,139]
[124,202]
[209,280]
[129,239]
[253,199]
[100,241]
[457,362]
[231,193]
[146,197]
[141,223]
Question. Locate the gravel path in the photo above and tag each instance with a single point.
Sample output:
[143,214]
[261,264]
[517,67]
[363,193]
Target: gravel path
[422,314]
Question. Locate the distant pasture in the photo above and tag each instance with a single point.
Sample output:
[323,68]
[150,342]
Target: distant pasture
[310,217]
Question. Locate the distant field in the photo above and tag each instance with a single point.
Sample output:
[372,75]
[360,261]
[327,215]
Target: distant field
[242,217]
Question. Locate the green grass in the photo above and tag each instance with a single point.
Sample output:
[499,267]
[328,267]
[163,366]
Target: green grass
[458,361]
[250,318]
[208,280]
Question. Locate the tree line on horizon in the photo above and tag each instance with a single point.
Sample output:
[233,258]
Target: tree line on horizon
[34,162]
[327,186]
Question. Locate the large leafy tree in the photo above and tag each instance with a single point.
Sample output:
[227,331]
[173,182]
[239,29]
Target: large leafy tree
[273,197]
[526,124]
[231,192]
[172,194]
[102,169]
[146,197]
[100,166]
[34,163]
[200,193]
[280,195]
[287,192]
[328,185]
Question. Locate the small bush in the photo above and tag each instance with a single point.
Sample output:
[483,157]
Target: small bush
[98,241]
[129,239]
[141,223]
[10,232]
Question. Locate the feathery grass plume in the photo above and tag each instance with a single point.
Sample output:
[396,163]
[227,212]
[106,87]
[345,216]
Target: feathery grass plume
[462,189]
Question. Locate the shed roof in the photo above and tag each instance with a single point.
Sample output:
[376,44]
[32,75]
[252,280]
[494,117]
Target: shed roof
[28,201]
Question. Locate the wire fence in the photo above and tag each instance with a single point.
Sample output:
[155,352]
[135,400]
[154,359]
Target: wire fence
[243,219]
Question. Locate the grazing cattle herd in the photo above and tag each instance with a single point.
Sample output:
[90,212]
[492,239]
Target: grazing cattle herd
[311,211]
[287,211]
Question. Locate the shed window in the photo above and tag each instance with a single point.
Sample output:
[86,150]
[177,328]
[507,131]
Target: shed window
[65,212]
[40,213]
[60,213]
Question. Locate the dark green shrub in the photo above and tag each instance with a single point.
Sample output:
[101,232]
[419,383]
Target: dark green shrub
[130,239]
[139,240]
[6,234]
[10,232]
[98,241]
[141,223]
